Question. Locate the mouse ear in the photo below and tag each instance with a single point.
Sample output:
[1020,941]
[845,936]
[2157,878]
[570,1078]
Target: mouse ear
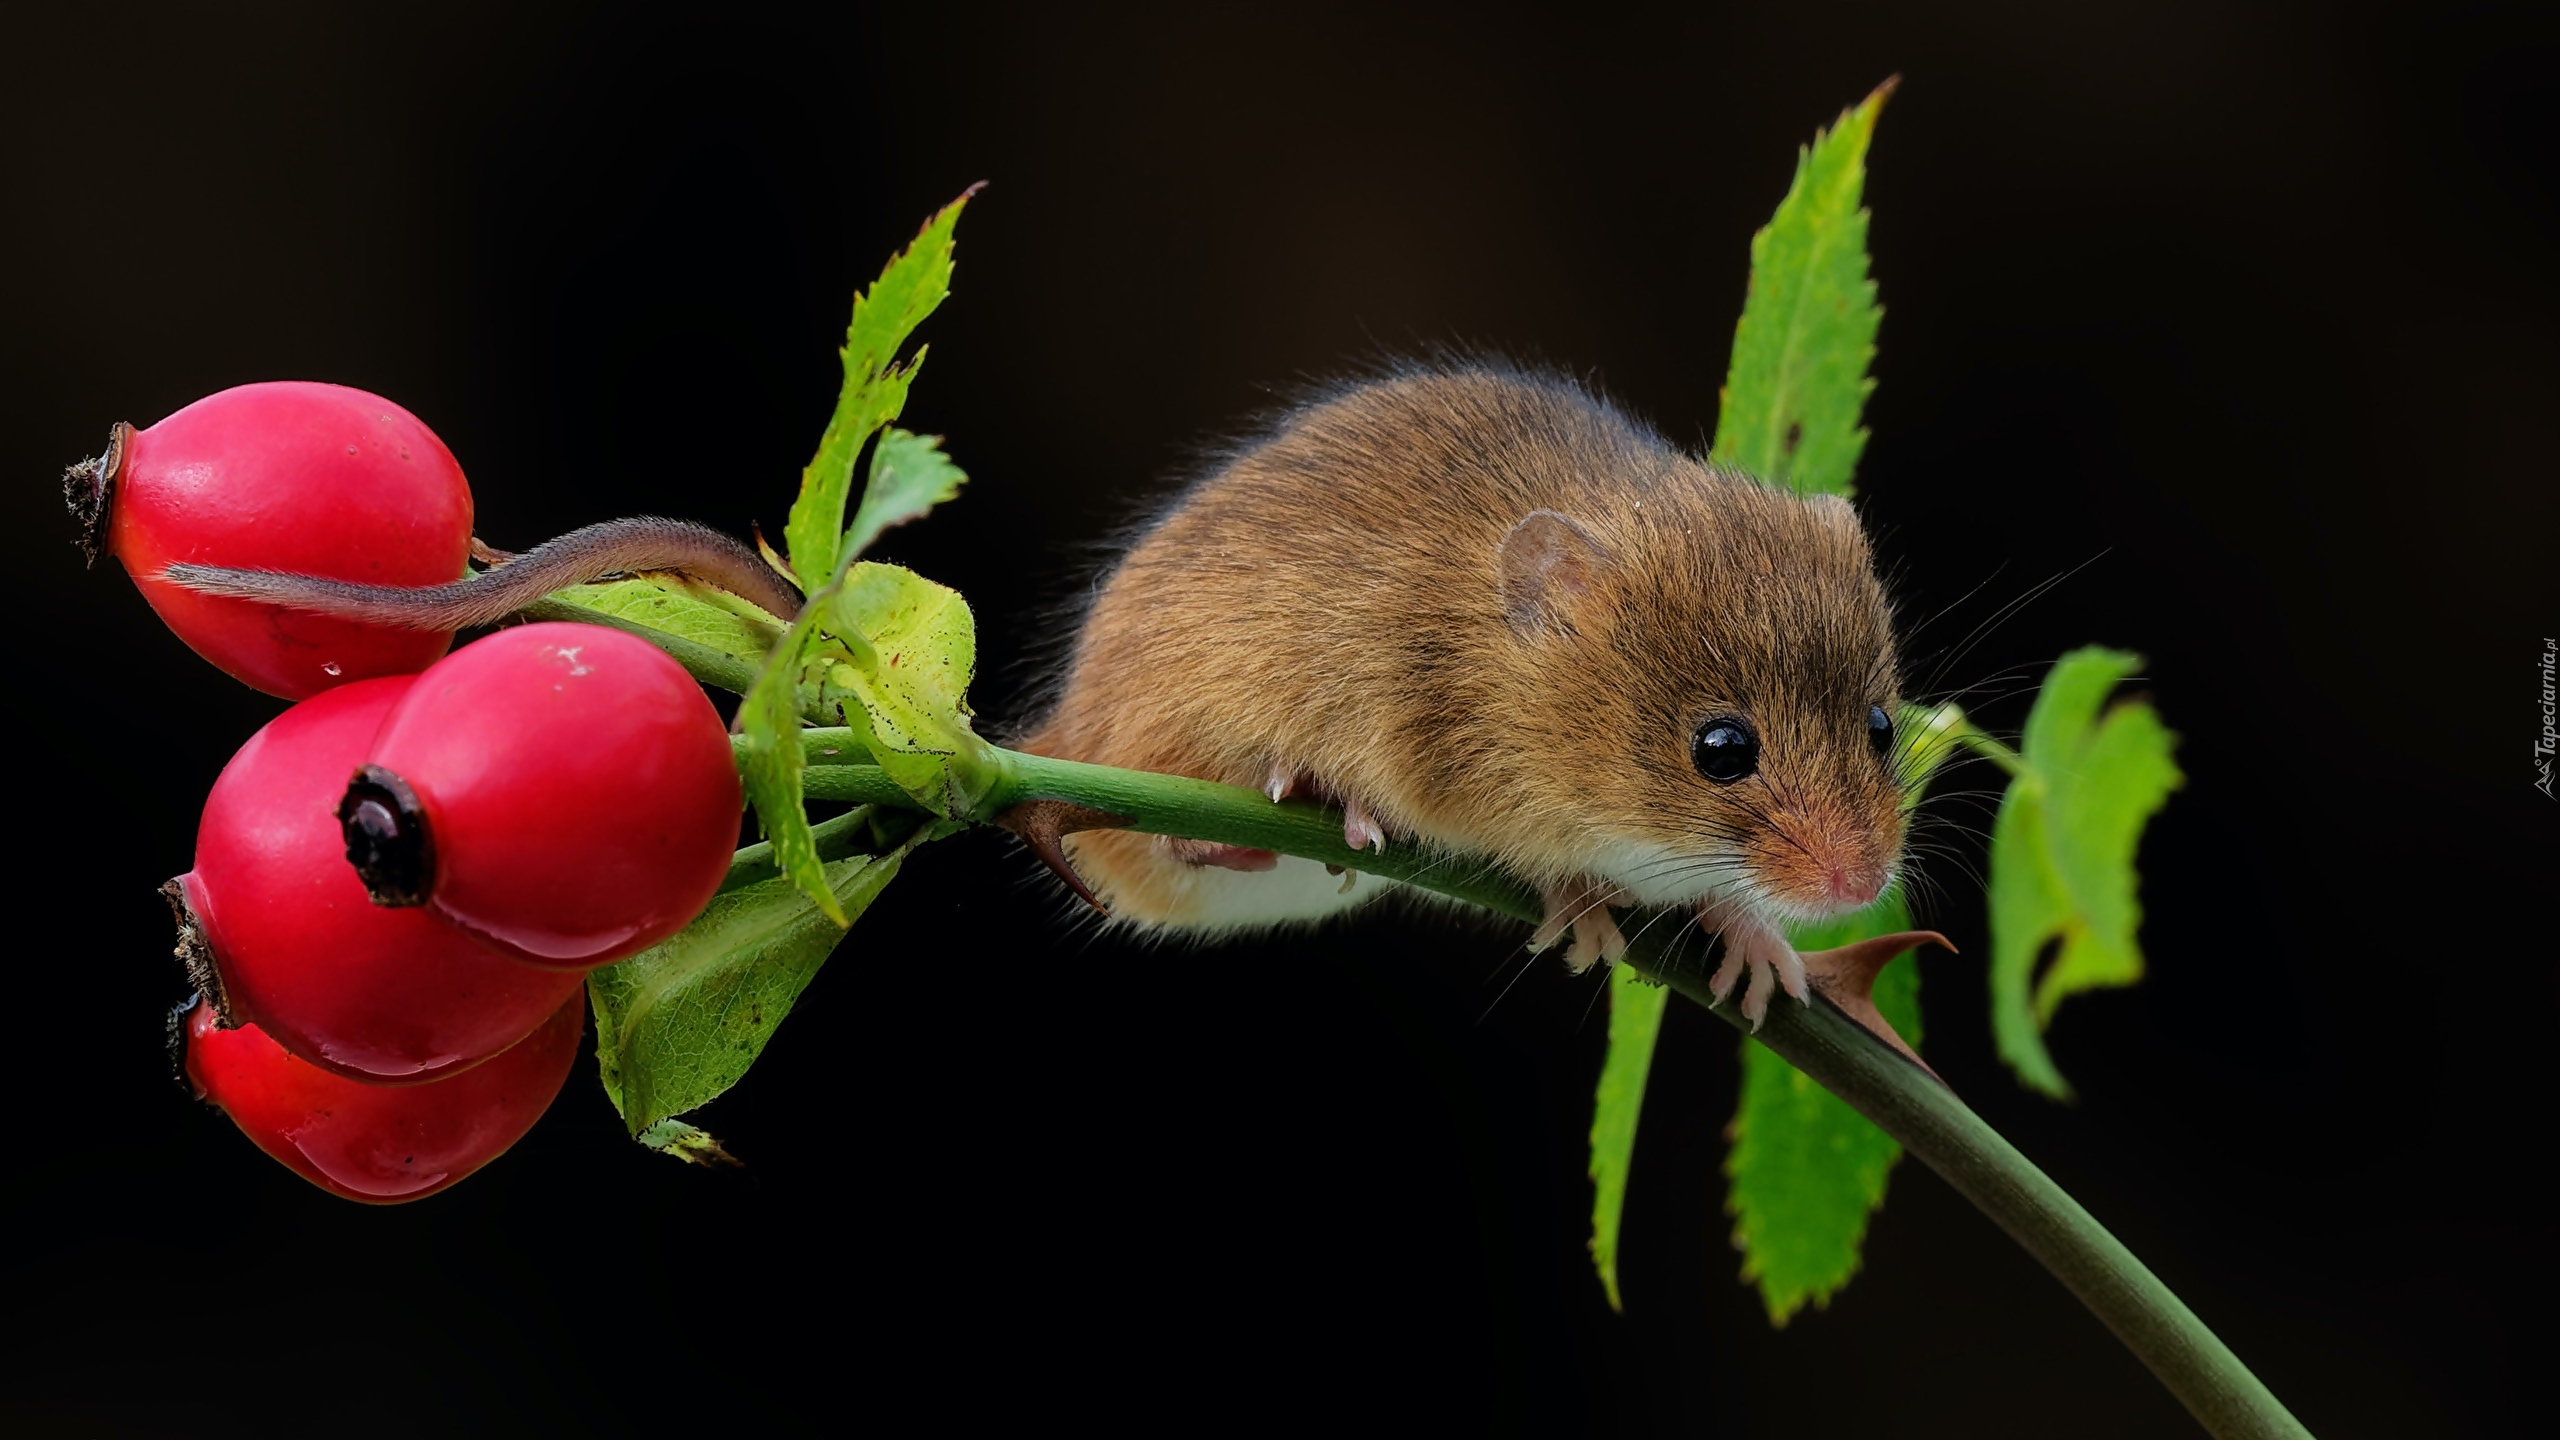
[1548,565]
[1833,509]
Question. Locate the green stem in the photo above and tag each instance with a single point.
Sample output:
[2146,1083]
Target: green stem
[1901,1099]
[1926,1117]
[1941,726]
[858,784]
[846,834]
[1233,815]
[1990,749]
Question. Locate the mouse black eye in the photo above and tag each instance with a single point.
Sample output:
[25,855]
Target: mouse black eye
[1725,750]
[1879,730]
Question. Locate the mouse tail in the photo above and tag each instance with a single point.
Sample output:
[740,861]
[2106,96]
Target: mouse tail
[639,546]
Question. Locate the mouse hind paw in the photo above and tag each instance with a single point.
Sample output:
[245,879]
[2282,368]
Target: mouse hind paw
[1360,830]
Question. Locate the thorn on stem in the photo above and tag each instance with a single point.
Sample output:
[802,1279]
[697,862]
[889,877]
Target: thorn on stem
[1041,824]
[1847,978]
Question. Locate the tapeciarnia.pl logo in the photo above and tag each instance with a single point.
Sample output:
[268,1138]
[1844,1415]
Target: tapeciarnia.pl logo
[2542,748]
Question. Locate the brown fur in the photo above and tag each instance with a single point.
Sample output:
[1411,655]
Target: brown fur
[1332,601]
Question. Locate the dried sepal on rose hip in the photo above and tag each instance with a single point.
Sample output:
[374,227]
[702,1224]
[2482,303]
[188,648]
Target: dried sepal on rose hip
[377,1144]
[287,476]
[564,792]
[277,930]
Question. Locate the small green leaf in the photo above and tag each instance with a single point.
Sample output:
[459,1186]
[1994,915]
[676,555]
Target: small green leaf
[909,476]
[2062,852]
[907,685]
[687,612]
[1798,379]
[678,1023]
[875,388]
[1635,1022]
[1807,1171]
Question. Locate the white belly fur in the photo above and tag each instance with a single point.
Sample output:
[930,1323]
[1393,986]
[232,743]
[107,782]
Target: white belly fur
[1297,891]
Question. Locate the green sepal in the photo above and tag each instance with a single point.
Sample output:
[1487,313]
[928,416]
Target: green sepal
[699,613]
[905,686]
[769,722]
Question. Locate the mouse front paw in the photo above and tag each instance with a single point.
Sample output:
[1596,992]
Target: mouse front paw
[1581,905]
[1753,944]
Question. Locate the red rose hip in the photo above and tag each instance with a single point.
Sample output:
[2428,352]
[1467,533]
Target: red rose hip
[289,476]
[373,1143]
[564,792]
[295,947]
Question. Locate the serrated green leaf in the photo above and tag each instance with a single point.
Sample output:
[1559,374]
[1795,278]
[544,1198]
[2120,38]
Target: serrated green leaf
[914,648]
[678,1023]
[2062,852]
[1635,1023]
[915,282]
[2027,906]
[1806,1171]
[909,476]
[1798,379]
[735,627]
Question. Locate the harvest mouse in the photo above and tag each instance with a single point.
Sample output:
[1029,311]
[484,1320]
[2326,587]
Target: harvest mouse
[1484,609]
[1474,606]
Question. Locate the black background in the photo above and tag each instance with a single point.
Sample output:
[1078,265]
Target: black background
[2254,304]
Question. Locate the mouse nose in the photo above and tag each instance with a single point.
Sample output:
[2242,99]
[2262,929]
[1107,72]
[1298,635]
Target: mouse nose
[1854,884]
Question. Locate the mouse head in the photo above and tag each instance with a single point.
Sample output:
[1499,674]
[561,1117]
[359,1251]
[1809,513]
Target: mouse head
[1732,642]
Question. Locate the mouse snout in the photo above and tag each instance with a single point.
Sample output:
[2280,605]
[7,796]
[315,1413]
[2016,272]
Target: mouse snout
[1853,885]
[1826,864]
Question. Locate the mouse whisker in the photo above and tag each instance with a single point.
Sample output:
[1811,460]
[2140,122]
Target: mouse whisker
[1528,961]
[1951,606]
[1593,1004]
[2002,616]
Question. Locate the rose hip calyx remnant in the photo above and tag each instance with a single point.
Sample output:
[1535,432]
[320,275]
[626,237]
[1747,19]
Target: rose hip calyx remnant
[388,840]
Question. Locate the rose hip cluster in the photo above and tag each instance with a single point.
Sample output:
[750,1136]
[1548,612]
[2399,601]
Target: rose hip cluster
[400,882]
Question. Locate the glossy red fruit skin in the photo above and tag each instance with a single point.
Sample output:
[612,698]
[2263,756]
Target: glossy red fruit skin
[388,997]
[578,788]
[379,1144]
[295,476]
